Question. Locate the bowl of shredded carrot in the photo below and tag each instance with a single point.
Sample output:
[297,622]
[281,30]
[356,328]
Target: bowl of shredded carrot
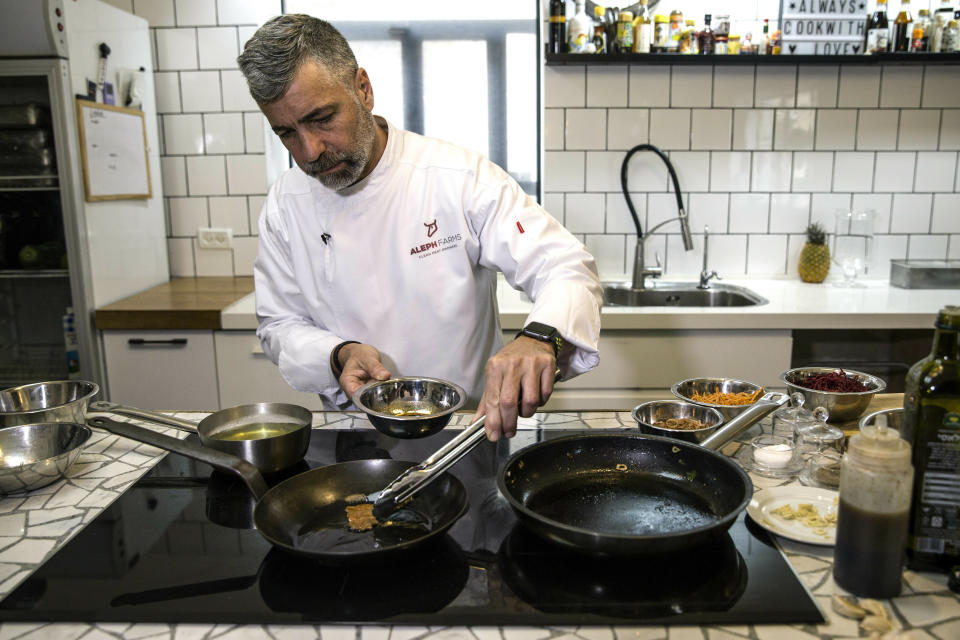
[844,393]
[727,395]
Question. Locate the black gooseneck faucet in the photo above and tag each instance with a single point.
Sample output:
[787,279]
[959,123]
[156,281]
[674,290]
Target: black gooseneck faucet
[640,271]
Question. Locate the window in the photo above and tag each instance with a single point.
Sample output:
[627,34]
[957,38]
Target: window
[460,70]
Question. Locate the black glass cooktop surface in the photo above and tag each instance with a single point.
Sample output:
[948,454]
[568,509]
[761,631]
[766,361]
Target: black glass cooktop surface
[179,547]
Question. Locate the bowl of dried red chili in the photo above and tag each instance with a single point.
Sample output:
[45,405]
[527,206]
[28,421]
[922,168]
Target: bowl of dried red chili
[728,396]
[844,393]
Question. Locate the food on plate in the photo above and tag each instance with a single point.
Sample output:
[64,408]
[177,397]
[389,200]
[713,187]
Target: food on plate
[360,517]
[809,516]
[684,424]
[731,399]
[833,381]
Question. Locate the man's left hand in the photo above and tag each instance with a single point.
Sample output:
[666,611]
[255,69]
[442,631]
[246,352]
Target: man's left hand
[519,379]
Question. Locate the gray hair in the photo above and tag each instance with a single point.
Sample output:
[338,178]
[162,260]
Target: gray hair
[272,56]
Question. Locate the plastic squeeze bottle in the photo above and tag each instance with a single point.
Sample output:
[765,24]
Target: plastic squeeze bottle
[876,479]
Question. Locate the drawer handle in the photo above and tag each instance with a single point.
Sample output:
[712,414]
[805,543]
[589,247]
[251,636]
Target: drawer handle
[171,341]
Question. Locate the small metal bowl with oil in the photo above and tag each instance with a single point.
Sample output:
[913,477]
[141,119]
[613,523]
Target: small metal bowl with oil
[409,407]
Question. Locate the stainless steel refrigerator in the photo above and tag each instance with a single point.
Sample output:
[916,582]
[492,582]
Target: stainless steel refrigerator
[59,252]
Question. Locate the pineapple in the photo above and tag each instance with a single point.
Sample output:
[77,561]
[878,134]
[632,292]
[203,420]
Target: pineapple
[815,255]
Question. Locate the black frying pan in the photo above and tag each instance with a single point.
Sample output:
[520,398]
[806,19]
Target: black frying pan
[305,514]
[621,493]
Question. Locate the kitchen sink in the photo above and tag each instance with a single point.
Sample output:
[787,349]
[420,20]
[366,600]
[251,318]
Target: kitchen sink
[679,294]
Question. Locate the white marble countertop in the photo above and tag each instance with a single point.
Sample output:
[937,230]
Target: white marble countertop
[791,304]
[35,526]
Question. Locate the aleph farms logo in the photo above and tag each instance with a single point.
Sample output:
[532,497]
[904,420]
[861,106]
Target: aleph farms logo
[432,247]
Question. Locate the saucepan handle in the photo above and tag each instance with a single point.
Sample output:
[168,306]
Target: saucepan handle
[133,412]
[761,408]
[225,462]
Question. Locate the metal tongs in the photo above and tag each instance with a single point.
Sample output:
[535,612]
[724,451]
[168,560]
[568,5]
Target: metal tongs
[403,489]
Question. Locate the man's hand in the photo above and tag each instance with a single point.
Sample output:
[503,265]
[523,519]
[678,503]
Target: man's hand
[519,379]
[361,364]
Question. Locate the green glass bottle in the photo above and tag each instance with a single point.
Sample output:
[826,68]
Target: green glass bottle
[931,424]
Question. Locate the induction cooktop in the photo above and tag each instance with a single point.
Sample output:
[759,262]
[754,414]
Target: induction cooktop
[180,546]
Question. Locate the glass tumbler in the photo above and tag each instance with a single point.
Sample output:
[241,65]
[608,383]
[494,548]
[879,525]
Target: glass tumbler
[852,244]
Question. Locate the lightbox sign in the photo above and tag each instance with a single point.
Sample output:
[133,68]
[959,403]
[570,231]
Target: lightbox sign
[822,27]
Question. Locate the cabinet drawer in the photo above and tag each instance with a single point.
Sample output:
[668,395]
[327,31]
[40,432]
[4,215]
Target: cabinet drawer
[246,374]
[162,370]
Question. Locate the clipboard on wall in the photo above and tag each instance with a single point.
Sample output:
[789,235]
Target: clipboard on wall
[113,148]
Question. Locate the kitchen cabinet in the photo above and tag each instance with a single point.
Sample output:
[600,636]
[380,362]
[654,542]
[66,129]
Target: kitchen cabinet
[640,365]
[162,370]
[245,374]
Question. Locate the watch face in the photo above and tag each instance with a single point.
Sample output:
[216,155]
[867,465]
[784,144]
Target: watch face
[540,330]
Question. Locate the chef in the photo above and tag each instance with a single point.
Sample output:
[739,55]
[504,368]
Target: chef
[378,252]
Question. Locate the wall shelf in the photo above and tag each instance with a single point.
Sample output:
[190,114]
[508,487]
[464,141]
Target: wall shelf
[567,59]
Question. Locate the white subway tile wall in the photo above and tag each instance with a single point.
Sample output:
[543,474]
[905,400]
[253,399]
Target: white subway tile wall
[761,152]
[212,133]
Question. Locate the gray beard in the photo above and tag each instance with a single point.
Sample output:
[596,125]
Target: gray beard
[355,160]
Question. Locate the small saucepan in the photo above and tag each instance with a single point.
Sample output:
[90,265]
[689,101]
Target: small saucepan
[271,436]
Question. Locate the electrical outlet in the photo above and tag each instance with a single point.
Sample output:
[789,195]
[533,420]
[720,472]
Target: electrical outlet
[215,238]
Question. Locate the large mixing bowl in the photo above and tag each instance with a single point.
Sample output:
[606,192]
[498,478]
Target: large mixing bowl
[409,407]
[56,401]
[649,413]
[35,455]
[840,406]
[685,389]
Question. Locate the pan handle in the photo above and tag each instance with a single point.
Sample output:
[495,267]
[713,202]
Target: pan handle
[151,416]
[414,479]
[225,462]
[761,408]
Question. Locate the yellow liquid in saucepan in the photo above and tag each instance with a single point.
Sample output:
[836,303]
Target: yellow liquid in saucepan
[257,431]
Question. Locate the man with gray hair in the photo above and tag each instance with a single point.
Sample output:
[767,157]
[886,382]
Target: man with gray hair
[378,253]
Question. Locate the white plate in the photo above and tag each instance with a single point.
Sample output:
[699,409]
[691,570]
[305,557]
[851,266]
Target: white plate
[766,500]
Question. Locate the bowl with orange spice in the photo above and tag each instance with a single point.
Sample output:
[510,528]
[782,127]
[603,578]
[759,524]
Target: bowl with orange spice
[727,395]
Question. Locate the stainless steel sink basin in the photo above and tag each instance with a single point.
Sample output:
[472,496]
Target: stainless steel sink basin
[679,294]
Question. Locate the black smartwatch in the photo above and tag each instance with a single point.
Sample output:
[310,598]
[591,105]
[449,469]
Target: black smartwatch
[543,333]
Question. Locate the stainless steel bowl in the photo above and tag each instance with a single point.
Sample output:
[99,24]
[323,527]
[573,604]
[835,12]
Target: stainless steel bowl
[685,389]
[35,455]
[648,413]
[409,407]
[840,407]
[893,418]
[56,401]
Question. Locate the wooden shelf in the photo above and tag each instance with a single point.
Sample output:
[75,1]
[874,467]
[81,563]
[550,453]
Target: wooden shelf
[565,59]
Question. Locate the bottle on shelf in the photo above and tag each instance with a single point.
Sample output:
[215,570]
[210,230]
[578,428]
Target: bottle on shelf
[931,424]
[706,36]
[872,514]
[599,33]
[691,32]
[625,31]
[941,19]
[642,29]
[580,30]
[661,27]
[764,46]
[878,30]
[903,27]
[675,31]
[951,37]
[921,31]
[775,46]
[557,42]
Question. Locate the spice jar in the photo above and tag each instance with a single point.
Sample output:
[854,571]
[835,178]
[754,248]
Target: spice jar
[625,31]
[876,479]
[722,25]
[720,45]
[661,27]
[733,45]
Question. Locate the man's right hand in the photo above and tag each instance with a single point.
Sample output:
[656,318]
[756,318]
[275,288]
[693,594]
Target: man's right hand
[361,364]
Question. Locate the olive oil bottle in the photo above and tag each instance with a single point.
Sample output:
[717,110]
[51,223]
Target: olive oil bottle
[931,424]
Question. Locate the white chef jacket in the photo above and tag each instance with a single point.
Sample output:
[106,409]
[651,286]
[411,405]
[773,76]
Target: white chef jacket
[406,260]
